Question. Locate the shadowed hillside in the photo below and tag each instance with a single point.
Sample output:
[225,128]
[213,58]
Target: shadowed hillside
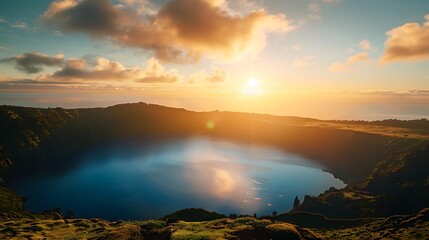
[398,185]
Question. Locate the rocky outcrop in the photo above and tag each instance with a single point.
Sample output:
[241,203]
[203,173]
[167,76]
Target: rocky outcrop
[296,204]
[345,203]
[398,185]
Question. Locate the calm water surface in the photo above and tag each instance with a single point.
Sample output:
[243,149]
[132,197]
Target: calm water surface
[134,181]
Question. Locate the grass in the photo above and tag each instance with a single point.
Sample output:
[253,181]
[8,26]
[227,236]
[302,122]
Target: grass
[373,231]
[49,229]
[200,235]
[396,132]
[241,228]
[152,229]
[217,229]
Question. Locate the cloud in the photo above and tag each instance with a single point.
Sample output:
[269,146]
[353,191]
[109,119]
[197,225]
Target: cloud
[5,47]
[154,72]
[409,42]
[180,31]
[339,67]
[362,57]
[141,6]
[409,92]
[102,69]
[21,25]
[304,62]
[296,47]
[314,7]
[352,61]
[34,82]
[91,69]
[217,76]
[332,1]
[365,45]
[314,16]
[239,7]
[97,17]
[34,62]
[58,33]
[105,70]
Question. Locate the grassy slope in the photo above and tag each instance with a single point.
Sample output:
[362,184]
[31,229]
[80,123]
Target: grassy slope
[241,228]
[395,227]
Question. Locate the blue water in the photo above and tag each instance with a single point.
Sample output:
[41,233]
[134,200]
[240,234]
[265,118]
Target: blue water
[134,181]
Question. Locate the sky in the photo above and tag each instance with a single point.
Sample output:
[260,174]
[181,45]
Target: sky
[327,59]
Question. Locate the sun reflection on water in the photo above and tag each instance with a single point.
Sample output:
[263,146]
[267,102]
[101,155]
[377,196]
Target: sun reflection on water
[223,183]
[220,177]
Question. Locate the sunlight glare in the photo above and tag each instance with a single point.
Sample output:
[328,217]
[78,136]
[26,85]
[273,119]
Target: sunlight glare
[252,83]
[252,87]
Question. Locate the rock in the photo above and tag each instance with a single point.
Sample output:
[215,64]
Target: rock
[296,203]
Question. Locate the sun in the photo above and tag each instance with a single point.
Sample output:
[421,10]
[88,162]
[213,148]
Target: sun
[252,87]
[252,83]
